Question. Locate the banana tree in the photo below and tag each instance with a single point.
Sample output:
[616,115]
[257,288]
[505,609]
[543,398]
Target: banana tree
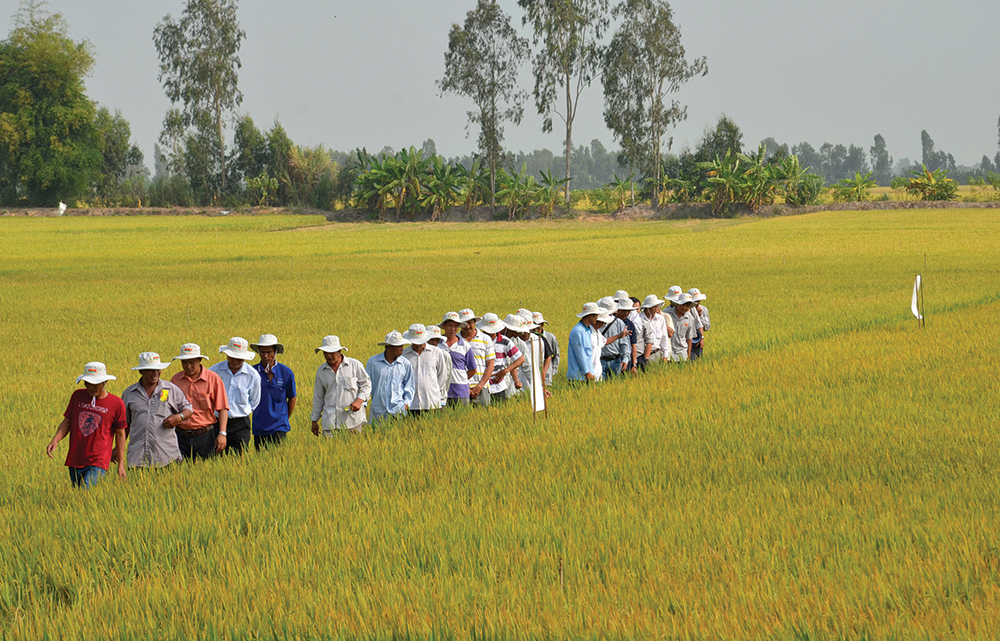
[440,187]
[757,184]
[724,177]
[549,192]
[853,189]
[621,188]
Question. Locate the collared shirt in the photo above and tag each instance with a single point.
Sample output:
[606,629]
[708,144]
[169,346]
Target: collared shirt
[598,341]
[393,386]
[463,360]
[705,323]
[242,388]
[431,373]
[271,415]
[684,330]
[334,392]
[505,352]
[207,395]
[655,331]
[483,350]
[620,347]
[150,443]
[579,353]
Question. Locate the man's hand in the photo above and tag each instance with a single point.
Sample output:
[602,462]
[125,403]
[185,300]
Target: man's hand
[173,421]
[548,394]
[356,405]
[591,377]
[121,470]
[518,384]
[114,456]
[51,447]
[474,392]
[315,428]
[220,443]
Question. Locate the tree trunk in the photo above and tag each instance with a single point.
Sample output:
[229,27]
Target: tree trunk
[493,189]
[569,133]
[222,145]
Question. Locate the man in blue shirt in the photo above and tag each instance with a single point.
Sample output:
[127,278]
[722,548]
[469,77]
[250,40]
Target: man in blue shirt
[580,355]
[242,384]
[393,384]
[277,394]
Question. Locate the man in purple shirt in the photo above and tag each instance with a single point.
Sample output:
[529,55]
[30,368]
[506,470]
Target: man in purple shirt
[463,360]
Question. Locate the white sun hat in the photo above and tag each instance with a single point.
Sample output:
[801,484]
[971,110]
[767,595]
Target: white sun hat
[268,340]
[433,331]
[189,351]
[150,360]
[516,323]
[394,339]
[608,304]
[528,318]
[95,373]
[651,301]
[467,315]
[625,305]
[417,334]
[673,293]
[331,344]
[621,295]
[538,319]
[696,294]
[491,324]
[588,309]
[684,299]
[237,348]
[451,316]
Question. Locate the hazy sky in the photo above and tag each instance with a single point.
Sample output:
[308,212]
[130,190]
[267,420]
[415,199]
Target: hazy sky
[362,74]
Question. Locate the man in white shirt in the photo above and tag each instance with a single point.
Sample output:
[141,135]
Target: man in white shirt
[431,370]
[242,384]
[656,330]
[342,388]
[684,329]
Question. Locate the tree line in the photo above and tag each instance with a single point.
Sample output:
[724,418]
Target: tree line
[56,144]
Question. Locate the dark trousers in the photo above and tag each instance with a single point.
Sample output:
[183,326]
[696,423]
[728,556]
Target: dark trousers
[237,434]
[267,440]
[695,352]
[201,446]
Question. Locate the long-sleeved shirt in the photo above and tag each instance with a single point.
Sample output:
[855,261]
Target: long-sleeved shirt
[242,388]
[620,347]
[655,332]
[150,443]
[431,373]
[579,353]
[553,342]
[335,391]
[393,386]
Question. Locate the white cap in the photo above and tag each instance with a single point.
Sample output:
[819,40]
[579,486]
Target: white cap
[331,344]
[237,348]
[95,373]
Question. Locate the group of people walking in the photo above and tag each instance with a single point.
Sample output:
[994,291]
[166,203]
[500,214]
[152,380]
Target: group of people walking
[465,359]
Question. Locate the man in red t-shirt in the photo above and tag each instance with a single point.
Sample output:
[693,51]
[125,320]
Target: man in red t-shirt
[92,418]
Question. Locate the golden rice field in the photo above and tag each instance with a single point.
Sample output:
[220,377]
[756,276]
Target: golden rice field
[827,471]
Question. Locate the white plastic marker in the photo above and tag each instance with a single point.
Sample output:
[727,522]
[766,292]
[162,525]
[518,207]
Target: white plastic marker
[916,296]
[62,208]
[537,382]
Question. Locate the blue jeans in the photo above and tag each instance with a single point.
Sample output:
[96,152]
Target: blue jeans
[612,368]
[85,476]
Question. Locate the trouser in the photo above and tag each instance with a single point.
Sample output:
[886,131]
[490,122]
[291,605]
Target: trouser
[267,440]
[695,352]
[483,400]
[85,476]
[200,446]
[612,367]
[418,413]
[455,402]
[678,357]
[237,434]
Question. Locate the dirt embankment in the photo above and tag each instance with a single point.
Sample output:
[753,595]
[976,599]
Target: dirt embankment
[482,214]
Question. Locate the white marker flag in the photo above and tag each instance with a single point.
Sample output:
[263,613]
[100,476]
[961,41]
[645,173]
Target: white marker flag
[537,383]
[916,294]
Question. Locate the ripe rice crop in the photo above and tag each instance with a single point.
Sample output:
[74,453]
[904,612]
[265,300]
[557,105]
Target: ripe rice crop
[827,471]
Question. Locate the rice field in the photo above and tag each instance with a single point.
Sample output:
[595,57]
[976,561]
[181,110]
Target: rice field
[827,471]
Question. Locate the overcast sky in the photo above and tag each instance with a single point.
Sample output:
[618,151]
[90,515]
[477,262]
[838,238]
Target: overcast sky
[362,74]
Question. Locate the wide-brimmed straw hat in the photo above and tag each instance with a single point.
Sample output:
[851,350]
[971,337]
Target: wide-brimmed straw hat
[95,373]
[696,294]
[237,348]
[394,339]
[189,351]
[150,360]
[652,301]
[625,305]
[609,304]
[588,309]
[416,335]
[673,293]
[331,344]
[268,340]
[490,324]
[467,316]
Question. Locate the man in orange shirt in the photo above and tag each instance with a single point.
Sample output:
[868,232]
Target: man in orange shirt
[202,435]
